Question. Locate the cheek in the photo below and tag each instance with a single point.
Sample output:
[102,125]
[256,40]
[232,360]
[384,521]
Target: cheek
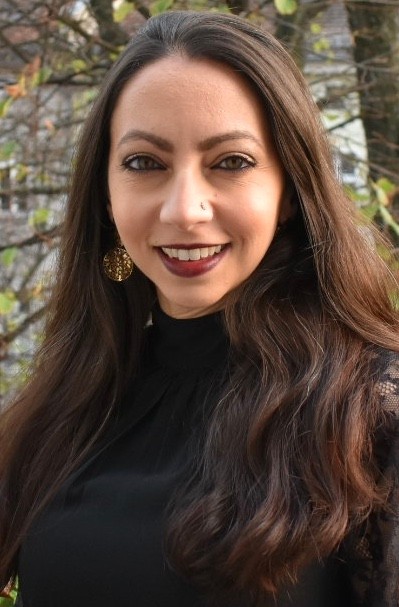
[258,222]
[134,226]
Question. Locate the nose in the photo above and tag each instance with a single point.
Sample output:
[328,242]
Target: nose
[187,202]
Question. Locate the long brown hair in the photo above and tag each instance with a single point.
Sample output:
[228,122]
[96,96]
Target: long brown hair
[287,464]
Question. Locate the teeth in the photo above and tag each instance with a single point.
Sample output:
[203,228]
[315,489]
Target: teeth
[192,254]
[195,254]
[183,254]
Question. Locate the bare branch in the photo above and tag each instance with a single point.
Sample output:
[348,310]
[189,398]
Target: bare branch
[47,237]
[7,338]
[28,191]
[73,25]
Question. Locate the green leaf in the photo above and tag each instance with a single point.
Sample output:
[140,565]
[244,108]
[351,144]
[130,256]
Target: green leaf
[7,302]
[321,45]
[5,106]
[315,28]
[9,600]
[44,74]
[370,211]
[39,217]
[286,7]
[7,150]
[21,172]
[114,56]
[220,8]
[386,185]
[8,256]
[78,65]
[123,11]
[362,199]
[381,194]
[160,6]
[332,116]
[388,219]
[394,297]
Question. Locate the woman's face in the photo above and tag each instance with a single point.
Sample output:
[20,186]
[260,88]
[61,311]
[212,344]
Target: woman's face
[195,183]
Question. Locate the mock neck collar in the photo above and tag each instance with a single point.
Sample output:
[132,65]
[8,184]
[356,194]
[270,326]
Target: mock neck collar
[190,343]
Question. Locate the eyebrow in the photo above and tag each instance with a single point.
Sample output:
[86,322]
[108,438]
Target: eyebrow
[212,142]
[203,146]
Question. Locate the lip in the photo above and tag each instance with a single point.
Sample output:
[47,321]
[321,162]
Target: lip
[196,245]
[190,269]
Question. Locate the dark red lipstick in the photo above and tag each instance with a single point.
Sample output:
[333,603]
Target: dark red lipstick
[191,268]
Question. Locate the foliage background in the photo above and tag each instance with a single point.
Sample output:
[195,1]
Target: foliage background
[53,56]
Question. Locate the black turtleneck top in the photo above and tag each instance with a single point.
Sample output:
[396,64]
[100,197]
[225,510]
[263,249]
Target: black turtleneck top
[100,541]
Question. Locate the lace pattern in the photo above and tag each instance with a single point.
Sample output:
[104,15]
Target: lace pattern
[372,553]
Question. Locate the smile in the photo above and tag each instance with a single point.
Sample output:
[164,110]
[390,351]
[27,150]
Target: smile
[190,262]
[192,254]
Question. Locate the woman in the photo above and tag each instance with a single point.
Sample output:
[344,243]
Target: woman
[243,448]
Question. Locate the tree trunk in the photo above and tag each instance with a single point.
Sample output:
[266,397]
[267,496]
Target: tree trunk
[109,30]
[292,30]
[375,30]
[238,7]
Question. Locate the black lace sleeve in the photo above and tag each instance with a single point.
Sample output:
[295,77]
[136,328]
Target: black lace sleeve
[373,551]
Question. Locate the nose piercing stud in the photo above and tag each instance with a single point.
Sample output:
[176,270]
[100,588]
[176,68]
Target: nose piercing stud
[202,206]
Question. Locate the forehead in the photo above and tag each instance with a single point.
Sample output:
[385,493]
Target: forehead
[173,90]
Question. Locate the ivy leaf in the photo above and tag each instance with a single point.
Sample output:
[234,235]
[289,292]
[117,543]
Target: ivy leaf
[7,302]
[160,6]
[8,255]
[286,7]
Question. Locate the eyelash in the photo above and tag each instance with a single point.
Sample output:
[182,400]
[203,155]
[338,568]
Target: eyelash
[127,164]
[249,163]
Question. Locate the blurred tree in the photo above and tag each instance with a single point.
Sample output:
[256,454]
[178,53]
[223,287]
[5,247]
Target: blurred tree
[53,56]
[375,30]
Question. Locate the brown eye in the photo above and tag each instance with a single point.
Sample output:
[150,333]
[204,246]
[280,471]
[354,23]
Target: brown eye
[235,163]
[142,163]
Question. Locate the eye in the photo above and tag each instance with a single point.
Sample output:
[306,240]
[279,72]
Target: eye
[142,162]
[235,163]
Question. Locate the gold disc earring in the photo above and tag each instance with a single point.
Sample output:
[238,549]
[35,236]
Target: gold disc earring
[117,263]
